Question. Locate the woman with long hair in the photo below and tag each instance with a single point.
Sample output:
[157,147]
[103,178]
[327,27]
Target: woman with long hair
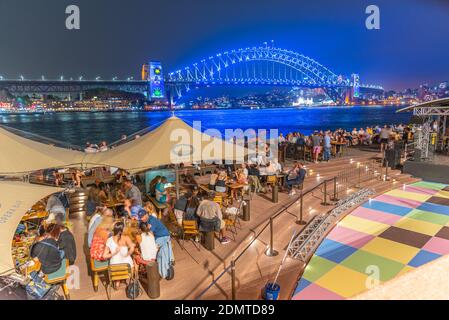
[119,247]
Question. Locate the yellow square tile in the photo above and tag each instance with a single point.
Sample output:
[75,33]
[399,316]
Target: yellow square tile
[344,281]
[443,194]
[418,226]
[390,249]
[363,225]
[409,195]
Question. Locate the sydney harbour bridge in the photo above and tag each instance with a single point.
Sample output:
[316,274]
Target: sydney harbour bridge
[252,66]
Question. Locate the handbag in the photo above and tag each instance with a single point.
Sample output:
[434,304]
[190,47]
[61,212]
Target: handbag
[37,288]
[133,289]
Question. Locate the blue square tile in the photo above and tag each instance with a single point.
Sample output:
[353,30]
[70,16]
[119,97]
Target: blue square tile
[436,208]
[423,257]
[334,251]
[387,207]
[302,284]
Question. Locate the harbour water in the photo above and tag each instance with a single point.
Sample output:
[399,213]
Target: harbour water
[79,127]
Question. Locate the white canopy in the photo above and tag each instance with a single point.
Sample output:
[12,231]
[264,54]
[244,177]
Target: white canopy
[21,155]
[16,198]
[173,142]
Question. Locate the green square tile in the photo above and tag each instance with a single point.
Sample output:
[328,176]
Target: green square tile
[430,185]
[432,217]
[317,267]
[361,260]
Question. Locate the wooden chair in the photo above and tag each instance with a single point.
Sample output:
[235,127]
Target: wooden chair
[271,181]
[97,267]
[190,229]
[60,277]
[117,272]
[219,199]
[233,219]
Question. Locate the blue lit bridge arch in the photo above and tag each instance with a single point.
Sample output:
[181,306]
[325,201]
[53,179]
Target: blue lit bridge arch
[264,65]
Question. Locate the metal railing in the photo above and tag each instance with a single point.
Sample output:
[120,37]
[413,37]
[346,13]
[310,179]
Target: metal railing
[329,189]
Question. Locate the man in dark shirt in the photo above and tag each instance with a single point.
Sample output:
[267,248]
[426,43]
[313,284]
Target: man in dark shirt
[46,251]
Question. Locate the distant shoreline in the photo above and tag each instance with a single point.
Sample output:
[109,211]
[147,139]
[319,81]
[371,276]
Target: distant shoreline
[3,113]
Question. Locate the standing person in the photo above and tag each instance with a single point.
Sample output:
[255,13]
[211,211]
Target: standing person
[316,143]
[384,137]
[327,146]
[162,238]
[132,192]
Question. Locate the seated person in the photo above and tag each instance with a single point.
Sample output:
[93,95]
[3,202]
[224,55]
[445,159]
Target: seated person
[119,247]
[211,218]
[220,186]
[101,235]
[254,175]
[153,184]
[181,206]
[147,244]
[213,179]
[192,205]
[46,249]
[161,192]
[295,177]
[66,243]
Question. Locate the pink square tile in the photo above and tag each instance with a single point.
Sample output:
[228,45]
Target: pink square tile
[417,189]
[399,201]
[374,215]
[315,292]
[349,237]
[437,245]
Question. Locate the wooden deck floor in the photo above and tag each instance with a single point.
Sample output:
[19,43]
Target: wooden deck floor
[196,269]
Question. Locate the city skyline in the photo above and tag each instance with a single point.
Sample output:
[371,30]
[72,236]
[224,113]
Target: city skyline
[115,42]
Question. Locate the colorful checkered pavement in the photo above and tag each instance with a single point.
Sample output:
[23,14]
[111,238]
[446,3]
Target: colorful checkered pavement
[389,235]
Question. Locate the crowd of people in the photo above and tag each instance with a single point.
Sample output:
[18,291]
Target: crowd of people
[320,142]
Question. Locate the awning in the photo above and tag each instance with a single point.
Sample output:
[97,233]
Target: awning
[21,155]
[173,142]
[16,198]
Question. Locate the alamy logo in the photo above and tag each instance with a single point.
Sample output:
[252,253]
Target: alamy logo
[72,22]
[372,22]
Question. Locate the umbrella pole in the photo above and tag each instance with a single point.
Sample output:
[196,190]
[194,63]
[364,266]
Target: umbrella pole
[177,180]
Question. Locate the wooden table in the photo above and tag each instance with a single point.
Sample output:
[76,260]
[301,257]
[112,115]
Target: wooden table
[334,148]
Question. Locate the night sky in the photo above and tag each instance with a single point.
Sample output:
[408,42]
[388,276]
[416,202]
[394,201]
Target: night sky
[118,36]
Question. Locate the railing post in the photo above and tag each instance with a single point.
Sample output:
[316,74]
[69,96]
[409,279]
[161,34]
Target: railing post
[386,170]
[335,197]
[270,251]
[234,293]
[301,222]
[359,174]
[325,203]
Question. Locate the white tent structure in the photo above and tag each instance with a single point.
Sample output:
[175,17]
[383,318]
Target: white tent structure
[19,155]
[173,142]
[16,198]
